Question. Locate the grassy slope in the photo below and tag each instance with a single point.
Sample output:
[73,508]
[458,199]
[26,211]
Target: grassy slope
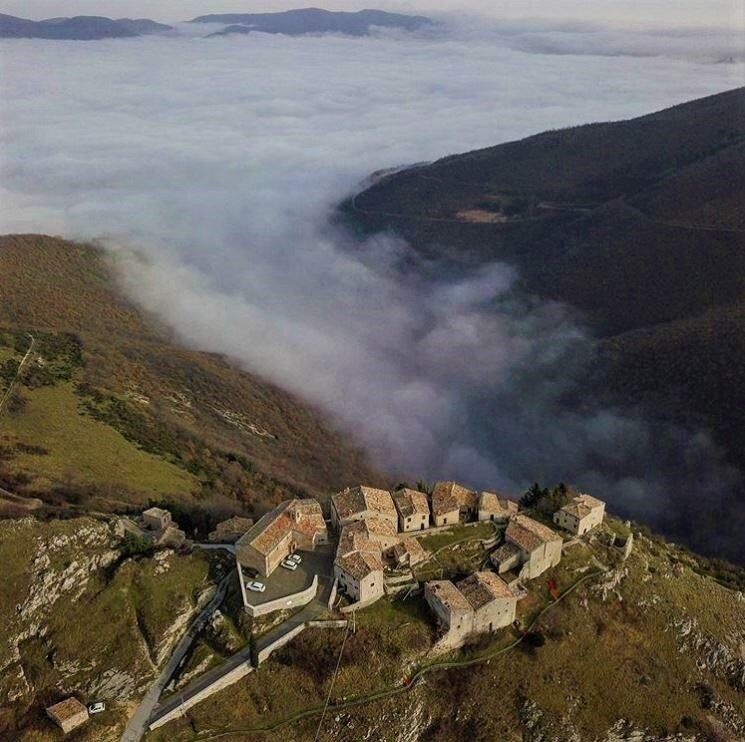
[97,451]
[654,643]
[202,417]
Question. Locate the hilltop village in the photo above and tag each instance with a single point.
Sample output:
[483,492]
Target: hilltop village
[375,534]
[302,565]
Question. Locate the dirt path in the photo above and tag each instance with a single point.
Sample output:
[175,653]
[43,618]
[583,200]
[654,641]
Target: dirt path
[25,358]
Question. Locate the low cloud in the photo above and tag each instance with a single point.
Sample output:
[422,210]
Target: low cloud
[209,168]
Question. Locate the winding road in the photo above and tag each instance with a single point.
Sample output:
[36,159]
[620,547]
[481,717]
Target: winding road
[138,722]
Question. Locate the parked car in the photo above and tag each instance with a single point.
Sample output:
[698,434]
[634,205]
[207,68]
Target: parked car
[96,707]
[295,558]
[287,564]
[256,586]
[251,572]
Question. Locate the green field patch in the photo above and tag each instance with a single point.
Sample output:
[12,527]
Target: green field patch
[81,450]
[482,529]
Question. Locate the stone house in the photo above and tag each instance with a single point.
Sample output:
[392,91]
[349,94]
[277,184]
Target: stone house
[454,613]
[230,530]
[529,546]
[452,503]
[360,575]
[68,714]
[156,519]
[495,508]
[407,553]
[358,503]
[294,524]
[480,603]
[581,515]
[493,602]
[413,510]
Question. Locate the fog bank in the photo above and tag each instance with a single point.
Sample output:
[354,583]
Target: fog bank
[219,161]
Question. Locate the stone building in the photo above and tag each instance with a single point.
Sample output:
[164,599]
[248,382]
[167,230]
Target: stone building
[413,509]
[480,603]
[529,547]
[452,503]
[495,508]
[68,714]
[230,530]
[359,557]
[294,524]
[360,575]
[581,515]
[407,553]
[358,503]
[156,519]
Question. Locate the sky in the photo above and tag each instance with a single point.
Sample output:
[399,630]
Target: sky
[209,168]
[630,13]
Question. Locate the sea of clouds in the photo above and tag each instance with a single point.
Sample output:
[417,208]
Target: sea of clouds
[218,161]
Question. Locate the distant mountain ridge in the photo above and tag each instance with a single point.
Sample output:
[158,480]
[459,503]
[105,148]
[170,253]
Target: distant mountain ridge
[291,22]
[78,28]
[314,20]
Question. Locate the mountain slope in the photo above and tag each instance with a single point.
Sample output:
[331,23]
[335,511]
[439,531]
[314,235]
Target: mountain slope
[113,409]
[639,225]
[77,28]
[314,20]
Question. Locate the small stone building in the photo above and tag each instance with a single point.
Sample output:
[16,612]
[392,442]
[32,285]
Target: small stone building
[360,575]
[413,509]
[294,524]
[407,553]
[230,530]
[452,503]
[495,508]
[358,503]
[480,603]
[529,546]
[68,714]
[581,515]
[157,519]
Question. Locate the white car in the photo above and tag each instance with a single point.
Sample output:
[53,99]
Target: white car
[287,564]
[296,558]
[256,586]
[97,707]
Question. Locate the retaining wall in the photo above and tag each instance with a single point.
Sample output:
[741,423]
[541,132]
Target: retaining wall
[359,605]
[264,653]
[229,678]
[332,597]
[286,601]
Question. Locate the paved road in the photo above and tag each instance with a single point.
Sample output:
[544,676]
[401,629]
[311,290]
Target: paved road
[138,723]
[311,611]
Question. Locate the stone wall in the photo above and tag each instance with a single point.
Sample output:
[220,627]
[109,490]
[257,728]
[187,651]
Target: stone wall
[229,678]
[286,601]
[264,653]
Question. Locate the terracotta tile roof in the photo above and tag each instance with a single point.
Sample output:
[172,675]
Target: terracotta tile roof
[157,513]
[491,502]
[66,709]
[481,588]
[354,500]
[364,534]
[529,534]
[236,524]
[411,502]
[449,496]
[301,516]
[449,595]
[582,505]
[411,547]
[503,553]
[360,564]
